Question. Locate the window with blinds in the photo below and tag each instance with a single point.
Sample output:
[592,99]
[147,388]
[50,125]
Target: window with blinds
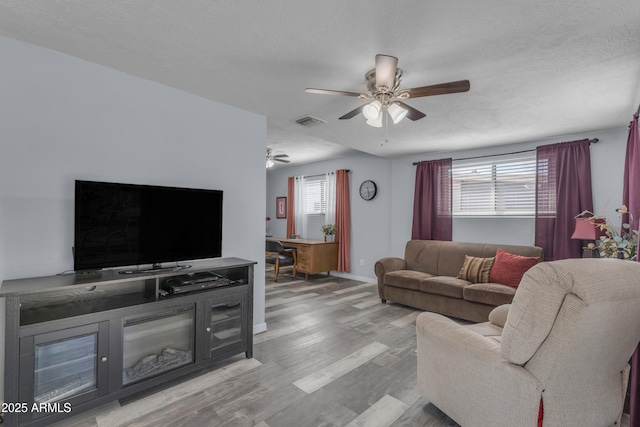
[546,188]
[315,195]
[495,186]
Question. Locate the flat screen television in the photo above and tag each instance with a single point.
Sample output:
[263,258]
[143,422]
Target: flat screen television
[119,225]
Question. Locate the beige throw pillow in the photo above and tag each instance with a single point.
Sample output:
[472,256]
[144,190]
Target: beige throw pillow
[475,269]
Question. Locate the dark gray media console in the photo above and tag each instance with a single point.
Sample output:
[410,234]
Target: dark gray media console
[75,342]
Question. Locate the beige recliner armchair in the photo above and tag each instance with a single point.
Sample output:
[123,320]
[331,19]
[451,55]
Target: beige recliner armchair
[560,351]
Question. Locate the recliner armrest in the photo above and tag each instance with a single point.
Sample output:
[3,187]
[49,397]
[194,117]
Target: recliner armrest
[498,315]
[465,375]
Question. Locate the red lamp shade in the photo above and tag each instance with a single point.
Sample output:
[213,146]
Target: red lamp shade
[588,229]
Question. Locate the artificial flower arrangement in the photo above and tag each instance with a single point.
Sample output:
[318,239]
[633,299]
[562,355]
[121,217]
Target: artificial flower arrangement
[614,243]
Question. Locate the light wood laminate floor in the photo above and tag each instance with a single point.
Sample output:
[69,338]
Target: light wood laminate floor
[333,355]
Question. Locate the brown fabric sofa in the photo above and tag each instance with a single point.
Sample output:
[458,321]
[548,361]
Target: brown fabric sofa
[426,278]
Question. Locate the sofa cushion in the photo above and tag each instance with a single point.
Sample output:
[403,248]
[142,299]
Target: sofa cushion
[476,269]
[423,255]
[490,249]
[444,285]
[452,256]
[489,293]
[405,279]
[509,268]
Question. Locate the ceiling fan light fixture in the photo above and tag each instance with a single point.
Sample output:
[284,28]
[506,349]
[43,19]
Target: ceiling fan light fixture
[397,112]
[372,110]
[376,122]
[270,161]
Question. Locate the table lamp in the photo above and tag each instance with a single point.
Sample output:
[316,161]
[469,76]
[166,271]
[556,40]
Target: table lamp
[589,229]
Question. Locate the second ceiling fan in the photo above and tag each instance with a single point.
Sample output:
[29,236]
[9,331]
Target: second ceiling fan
[383,84]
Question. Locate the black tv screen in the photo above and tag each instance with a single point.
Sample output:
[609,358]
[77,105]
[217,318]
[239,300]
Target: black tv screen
[126,224]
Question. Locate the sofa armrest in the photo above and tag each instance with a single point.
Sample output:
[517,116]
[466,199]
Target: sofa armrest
[386,265]
[498,315]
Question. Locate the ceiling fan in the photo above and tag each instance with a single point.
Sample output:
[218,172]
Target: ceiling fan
[271,158]
[383,84]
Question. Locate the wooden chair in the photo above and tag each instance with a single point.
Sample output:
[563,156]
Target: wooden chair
[277,255]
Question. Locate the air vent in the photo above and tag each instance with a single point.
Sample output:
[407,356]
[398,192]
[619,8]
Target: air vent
[310,121]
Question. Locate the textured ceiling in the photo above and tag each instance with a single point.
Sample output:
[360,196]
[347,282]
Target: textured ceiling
[537,69]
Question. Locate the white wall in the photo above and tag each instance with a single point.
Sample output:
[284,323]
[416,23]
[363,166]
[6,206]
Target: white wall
[63,119]
[382,227]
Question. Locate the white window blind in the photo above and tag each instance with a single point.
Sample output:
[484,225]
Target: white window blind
[315,195]
[493,186]
[546,188]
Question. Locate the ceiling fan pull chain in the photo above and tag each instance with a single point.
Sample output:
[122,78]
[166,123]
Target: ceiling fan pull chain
[386,128]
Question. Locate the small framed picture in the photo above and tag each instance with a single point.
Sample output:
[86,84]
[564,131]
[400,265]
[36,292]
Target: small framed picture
[281,207]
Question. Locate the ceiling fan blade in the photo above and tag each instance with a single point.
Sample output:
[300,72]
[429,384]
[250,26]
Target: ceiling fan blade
[386,67]
[330,92]
[281,160]
[440,89]
[353,113]
[412,114]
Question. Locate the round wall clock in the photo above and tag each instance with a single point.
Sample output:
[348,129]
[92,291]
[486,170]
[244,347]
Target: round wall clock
[368,190]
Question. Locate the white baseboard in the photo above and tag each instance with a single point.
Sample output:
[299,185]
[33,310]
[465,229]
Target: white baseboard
[354,277]
[262,327]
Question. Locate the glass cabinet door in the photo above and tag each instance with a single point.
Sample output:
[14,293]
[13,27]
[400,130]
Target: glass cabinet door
[64,367]
[226,324]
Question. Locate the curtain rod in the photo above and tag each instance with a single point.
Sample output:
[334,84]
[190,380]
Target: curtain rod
[591,141]
[321,174]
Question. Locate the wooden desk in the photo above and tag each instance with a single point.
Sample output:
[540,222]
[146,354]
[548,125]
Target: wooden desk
[314,256]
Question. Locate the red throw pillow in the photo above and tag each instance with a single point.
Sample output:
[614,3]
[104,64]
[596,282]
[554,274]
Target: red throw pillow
[508,268]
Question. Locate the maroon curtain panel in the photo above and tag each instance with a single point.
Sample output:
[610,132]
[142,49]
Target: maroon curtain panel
[343,220]
[432,210]
[631,198]
[563,190]
[631,184]
[291,217]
